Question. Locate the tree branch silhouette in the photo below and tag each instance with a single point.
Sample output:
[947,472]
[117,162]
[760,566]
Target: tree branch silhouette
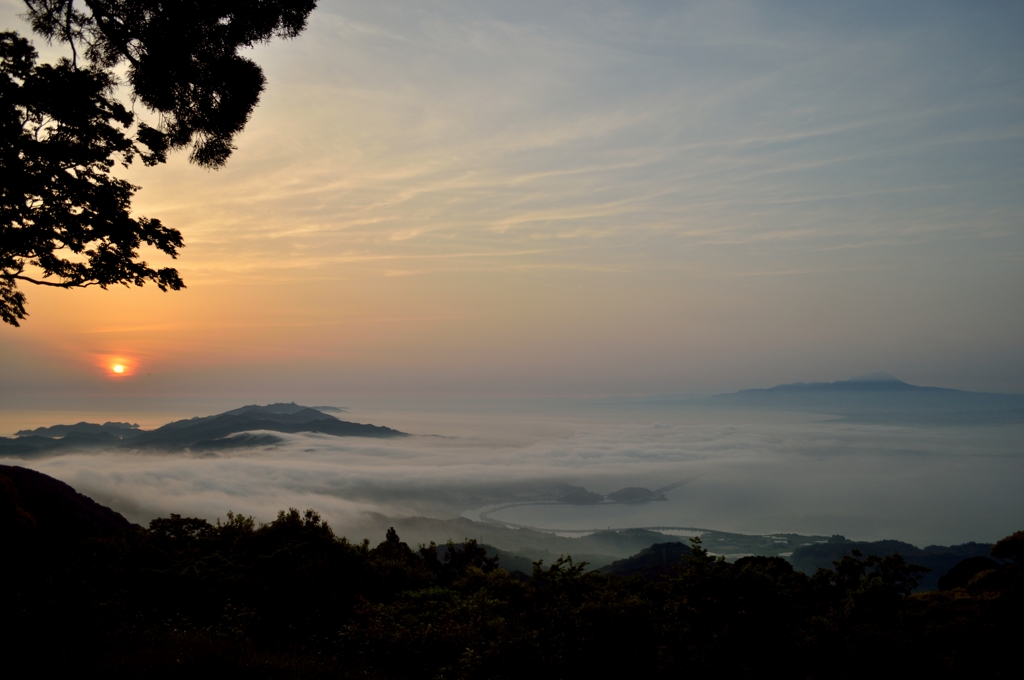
[63,213]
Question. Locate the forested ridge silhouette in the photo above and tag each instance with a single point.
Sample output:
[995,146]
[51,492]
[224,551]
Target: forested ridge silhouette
[290,599]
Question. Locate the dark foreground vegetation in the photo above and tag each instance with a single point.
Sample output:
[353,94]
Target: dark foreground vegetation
[186,598]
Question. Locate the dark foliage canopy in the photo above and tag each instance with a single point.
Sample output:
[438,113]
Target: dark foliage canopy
[65,220]
[182,57]
[290,599]
[61,210]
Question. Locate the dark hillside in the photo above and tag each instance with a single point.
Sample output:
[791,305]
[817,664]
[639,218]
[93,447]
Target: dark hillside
[37,505]
[597,549]
[656,561]
[185,598]
[938,559]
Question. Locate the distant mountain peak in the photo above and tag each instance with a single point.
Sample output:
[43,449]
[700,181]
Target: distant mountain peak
[227,430]
[875,377]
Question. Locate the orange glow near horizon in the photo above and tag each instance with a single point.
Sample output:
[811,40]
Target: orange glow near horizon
[496,215]
[117,366]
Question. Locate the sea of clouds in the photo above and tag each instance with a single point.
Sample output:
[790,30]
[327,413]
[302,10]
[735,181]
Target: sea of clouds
[750,473]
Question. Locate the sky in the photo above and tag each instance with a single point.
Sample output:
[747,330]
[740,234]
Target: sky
[580,199]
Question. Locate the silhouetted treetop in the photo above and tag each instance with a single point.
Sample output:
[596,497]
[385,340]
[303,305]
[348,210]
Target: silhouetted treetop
[1010,548]
[183,57]
[62,213]
[65,220]
[290,599]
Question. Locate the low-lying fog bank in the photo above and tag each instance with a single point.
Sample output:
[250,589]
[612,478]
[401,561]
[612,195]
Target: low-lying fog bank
[748,473]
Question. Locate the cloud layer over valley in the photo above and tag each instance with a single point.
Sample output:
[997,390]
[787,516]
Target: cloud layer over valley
[745,472]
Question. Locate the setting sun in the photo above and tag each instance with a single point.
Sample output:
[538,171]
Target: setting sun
[116,366]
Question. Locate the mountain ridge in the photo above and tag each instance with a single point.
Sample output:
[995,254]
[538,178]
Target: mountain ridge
[877,398]
[201,433]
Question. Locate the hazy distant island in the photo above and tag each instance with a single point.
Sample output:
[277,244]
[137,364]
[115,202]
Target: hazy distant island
[241,427]
[874,398]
